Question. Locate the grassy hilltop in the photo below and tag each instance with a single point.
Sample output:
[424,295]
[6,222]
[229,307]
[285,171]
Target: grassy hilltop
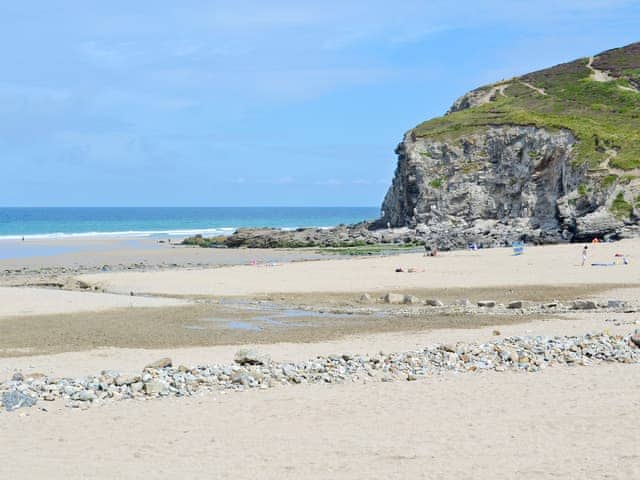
[597,98]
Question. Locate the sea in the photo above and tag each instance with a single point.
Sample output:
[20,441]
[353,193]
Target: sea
[158,222]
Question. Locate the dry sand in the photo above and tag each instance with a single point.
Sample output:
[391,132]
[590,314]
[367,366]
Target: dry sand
[38,301]
[548,265]
[561,423]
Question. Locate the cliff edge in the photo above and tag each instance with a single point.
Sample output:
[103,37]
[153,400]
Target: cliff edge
[550,156]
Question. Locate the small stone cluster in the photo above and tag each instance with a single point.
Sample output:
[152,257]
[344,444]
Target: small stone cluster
[254,370]
[512,307]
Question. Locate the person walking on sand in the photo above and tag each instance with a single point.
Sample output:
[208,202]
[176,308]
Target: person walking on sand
[584,255]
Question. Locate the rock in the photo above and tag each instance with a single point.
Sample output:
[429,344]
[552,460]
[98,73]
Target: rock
[583,305]
[487,303]
[635,339]
[251,357]
[240,377]
[162,363]
[85,396]
[411,300]
[433,302]
[17,377]
[394,298]
[136,387]
[155,387]
[496,333]
[411,377]
[366,298]
[492,184]
[517,304]
[13,400]
[616,304]
[463,302]
[126,380]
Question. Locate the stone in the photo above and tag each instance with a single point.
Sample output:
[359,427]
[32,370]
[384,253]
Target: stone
[433,302]
[136,387]
[487,303]
[394,298]
[17,377]
[616,304]
[463,302]
[366,298]
[161,363]
[635,339]
[155,387]
[241,378]
[411,377]
[517,304]
[247,356]
[85,396]
[583,305]
[411,300]
[126,380]
[13,400]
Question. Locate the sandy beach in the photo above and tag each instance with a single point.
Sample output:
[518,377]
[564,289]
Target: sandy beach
[66,320]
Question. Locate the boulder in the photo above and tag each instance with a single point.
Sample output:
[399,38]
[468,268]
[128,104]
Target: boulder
[487,303]
[394,298]
[411,300]
[433,302]
[155,387]
[366,298]
[583,305]
[516,304]
[247,356]
[13,400]
[616,304]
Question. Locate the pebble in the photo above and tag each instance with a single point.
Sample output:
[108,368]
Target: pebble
[515,353]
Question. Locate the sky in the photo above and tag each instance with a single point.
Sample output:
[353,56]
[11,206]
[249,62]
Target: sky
[254,103]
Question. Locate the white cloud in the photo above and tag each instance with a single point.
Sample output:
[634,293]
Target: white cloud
[332,182]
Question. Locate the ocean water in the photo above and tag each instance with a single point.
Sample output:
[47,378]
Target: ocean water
[36,222]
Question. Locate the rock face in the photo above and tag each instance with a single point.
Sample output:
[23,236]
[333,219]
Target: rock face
[503,184]
[513,177]
[499,167]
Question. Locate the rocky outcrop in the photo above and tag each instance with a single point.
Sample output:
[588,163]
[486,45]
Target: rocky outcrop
[498,185]
[342,236]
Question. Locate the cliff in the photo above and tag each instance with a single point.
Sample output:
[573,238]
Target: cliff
[550,156]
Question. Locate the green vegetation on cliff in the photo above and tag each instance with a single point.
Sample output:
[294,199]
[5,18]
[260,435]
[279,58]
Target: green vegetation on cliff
[604,116]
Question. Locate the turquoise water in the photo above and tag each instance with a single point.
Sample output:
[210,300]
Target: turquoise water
[166,221]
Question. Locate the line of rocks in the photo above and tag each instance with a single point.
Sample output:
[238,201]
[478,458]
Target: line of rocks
[252,369]
[465,305]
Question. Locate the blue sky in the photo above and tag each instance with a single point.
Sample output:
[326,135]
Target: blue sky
[205,103]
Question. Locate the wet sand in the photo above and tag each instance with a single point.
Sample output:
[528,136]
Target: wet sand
[292,318]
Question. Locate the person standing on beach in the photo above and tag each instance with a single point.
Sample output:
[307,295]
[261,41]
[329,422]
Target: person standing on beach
[584,255]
